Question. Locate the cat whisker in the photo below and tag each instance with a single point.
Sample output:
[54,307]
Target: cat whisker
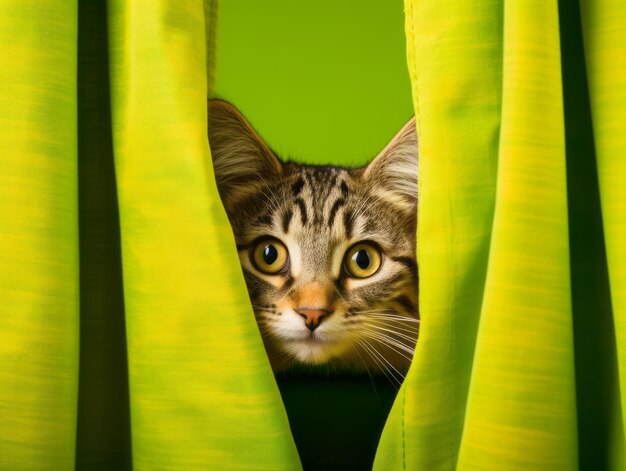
[388,337]
[265,326]
[401,335]
[383,362]
[376,361]
[384,315]
[408,358]
[376,354]
[281,354]
[386,312]
[271,198]
[265,321]
[389,312]
[363,206]
[399,353]
[270,311]
[396,325]
[367,370]
[390,342]
[261,307]
[397,318]
[333,365]
[265,331]
[409,334]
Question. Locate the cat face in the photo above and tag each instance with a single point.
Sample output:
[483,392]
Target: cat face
[328,253]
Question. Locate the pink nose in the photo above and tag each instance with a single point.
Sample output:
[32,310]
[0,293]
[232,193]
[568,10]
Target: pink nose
[313,316]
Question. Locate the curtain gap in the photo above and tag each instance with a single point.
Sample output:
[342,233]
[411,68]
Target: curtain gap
[103,431]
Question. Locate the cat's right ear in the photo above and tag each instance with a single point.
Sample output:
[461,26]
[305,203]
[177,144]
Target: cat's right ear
[393,173]
[241,160]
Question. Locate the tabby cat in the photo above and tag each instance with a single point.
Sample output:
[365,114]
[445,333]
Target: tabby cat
[328,253]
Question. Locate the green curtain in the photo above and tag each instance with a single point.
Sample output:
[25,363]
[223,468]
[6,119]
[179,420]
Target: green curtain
[171,360]
[521,111]
[38,235]
[126,335]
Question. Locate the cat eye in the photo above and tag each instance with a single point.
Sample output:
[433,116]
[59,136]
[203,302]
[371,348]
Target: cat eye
[363,260]
[269,256]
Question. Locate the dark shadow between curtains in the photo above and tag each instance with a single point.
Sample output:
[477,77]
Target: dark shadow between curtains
[103,433]
[597,389]
[336,419]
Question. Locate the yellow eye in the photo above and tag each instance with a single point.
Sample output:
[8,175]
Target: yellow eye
[363,260]
[269,256]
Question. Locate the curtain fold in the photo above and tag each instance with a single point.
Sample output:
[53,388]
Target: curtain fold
[454,52]
[198,391]
[604,37]
[201,391]
[126,335]
[39,313]
[521,334]
[522,394]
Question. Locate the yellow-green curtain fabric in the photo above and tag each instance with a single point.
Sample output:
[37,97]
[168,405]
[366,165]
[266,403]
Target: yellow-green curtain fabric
[201,391]
[126,335]
[38,235]
[521,111]
[172,367]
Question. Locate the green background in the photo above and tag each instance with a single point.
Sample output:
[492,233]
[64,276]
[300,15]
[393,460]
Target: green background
[322,82]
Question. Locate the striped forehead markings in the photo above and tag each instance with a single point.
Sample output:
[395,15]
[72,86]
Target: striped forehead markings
[313,181]
[333,211]
[321,185]
[303,214]
[296,188]
[287,219]
[348,223]
[339,202]
[344,188]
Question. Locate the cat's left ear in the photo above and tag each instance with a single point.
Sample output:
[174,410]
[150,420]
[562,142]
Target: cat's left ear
[243,163]
[394,171]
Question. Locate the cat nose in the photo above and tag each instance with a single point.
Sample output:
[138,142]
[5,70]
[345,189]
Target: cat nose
[313,316]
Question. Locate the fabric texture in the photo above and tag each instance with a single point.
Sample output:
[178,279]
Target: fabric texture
[198,389]
[38,235]
[520,109]
[126,336]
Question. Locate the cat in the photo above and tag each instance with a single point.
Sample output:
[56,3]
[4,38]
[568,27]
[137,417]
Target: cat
[328,252]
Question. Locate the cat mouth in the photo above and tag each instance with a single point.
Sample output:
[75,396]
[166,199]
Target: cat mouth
[311,339]
[313,348]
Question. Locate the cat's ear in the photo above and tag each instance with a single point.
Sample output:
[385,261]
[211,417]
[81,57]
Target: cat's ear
[241,160]
[393,173]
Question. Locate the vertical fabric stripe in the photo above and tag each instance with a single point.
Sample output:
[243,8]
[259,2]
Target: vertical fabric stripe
[202,393]
[454,54]
[604,35]
[38,235]
[521,411]
[492,385]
